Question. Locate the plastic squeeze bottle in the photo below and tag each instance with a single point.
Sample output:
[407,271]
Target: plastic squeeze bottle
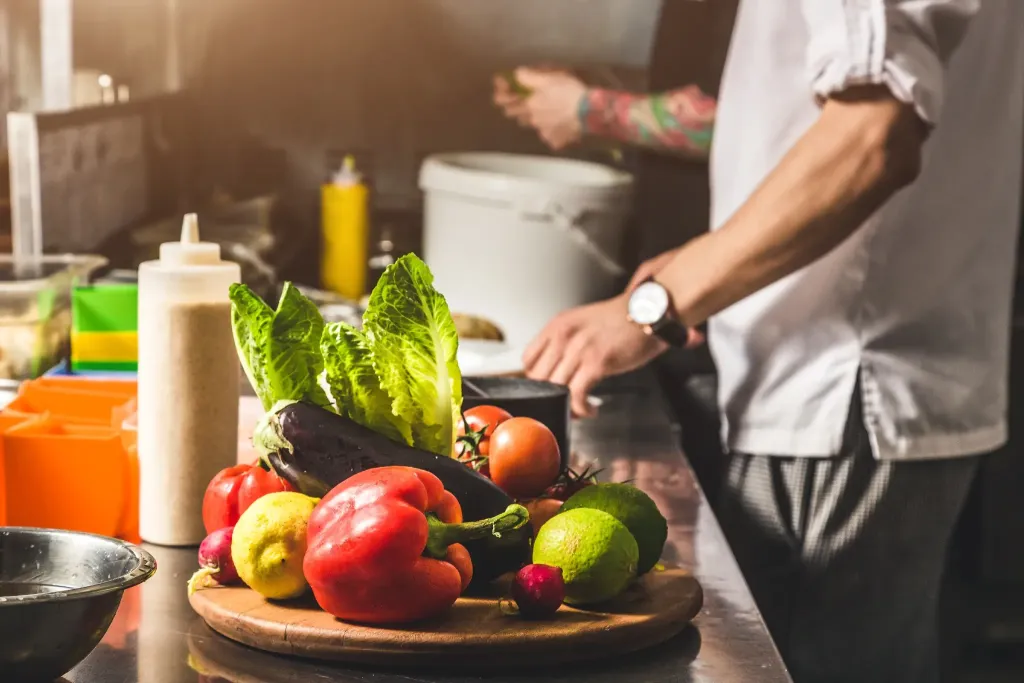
[189,379]
[345,227]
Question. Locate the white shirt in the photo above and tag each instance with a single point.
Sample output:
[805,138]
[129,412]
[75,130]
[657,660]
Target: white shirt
[917,302]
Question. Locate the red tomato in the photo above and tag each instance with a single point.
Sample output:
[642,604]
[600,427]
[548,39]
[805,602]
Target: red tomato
[233,490]
[257,483]
[220,502]
[476,428]
[524,458]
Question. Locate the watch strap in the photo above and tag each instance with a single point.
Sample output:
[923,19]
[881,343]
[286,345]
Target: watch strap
[671,331]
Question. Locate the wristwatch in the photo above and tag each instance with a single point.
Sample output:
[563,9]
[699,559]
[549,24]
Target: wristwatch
[650,307]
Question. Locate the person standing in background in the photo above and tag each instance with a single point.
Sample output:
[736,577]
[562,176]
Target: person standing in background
[671,195]
[866,173]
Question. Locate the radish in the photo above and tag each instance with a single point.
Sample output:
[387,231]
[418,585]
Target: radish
[216,567]
[538,590]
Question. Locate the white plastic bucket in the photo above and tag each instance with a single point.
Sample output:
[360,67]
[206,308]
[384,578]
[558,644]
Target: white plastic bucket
[517,239]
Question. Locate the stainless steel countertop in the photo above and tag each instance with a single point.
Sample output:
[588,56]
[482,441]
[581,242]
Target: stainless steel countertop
[156,638]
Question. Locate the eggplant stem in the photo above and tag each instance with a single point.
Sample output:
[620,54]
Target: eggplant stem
[441,535]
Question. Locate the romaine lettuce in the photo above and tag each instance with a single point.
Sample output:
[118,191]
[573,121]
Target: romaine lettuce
[414,344]
[398,376]
[251,318]
[354,384]
[280,350]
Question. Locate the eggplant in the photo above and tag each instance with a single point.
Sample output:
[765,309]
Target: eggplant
[314,450]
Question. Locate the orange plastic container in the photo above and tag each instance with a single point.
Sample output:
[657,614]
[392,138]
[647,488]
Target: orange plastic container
[67,476]
[8,421]
[65,462]
[127,426]
[74,406]
[125,387]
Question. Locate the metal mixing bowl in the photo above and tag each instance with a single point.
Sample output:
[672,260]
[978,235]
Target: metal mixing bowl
[59,591]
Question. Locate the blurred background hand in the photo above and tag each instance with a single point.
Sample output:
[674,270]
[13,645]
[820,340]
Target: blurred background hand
[551,107]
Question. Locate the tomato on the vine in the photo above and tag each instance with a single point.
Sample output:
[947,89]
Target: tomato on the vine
[570,481]
[475,430]
[524,458]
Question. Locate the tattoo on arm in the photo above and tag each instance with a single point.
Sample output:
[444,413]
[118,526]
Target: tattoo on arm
[678,120]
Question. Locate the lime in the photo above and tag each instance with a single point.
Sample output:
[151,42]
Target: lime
[632,507]
[595,551]
[269,544]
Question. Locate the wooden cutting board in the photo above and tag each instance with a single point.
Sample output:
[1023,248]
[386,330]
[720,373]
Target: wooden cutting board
[476,633]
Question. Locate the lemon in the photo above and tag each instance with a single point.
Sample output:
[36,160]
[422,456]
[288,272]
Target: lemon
[595,551]
[269,544]
[632,507]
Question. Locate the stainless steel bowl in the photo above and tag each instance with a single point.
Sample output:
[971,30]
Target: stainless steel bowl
[59,591]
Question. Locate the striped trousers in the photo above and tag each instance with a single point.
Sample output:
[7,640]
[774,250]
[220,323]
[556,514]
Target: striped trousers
[845,556]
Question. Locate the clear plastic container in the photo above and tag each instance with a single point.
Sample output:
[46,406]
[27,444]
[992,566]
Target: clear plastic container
[35,310]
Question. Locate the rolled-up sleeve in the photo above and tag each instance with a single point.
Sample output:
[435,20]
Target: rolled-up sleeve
[902,44]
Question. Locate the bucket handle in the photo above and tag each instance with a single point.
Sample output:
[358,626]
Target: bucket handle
[569,223]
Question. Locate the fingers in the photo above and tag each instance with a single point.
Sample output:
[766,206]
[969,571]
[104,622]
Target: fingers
[696,339]
[534,350]
[520,111]
[501,89]
[515,108]
[586,377]
[556,354]
[545,365]
[532,78]
[503,95]
[566,367]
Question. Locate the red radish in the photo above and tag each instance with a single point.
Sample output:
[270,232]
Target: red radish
[538,590]
[216,567]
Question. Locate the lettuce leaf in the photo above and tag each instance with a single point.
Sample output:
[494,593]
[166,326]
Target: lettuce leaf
[251,319]
[354,384]
[280,350]
[295,363]
[414,344]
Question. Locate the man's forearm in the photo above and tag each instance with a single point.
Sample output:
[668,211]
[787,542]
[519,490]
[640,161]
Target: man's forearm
[861,151]
[679,121]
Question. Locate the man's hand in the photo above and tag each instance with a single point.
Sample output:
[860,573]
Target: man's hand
[552,107]
[651,267]
[584,345]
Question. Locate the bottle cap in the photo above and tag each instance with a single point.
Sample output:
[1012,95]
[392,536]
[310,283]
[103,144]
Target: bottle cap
[190,251]
[347,175]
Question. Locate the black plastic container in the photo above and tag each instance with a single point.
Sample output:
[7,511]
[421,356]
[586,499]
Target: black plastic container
[543,401]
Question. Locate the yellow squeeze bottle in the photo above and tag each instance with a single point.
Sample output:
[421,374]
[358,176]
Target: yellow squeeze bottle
[345,228]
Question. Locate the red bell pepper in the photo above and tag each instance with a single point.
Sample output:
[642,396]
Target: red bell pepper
[233,490]
[383,547]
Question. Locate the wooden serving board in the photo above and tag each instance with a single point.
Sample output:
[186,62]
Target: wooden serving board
[476,633]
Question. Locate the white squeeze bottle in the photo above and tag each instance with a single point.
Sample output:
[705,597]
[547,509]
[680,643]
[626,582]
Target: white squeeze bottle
[188,385]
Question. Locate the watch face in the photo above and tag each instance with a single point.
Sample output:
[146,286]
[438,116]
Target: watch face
[648,303]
